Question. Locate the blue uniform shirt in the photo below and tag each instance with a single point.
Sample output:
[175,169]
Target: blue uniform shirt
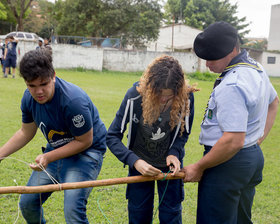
[11,46]
[239,103]
[70,113]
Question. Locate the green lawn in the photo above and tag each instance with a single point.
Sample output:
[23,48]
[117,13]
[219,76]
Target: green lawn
[106,90]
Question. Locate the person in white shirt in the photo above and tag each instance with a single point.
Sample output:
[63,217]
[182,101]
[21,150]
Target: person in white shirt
[239,115]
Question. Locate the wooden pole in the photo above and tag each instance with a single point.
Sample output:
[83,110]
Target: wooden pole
[85,184]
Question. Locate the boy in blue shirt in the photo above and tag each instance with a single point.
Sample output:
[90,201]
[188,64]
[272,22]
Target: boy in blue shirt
[10,56]
[75,133]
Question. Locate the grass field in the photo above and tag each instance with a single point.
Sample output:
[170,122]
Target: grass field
[106,90]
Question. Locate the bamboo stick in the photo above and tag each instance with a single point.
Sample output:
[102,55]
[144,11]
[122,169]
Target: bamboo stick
[85,184]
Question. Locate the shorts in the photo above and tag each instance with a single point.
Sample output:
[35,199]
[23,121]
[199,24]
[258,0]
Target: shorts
[11,62]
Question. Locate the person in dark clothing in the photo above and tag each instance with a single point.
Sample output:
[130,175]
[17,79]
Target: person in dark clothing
[159,110]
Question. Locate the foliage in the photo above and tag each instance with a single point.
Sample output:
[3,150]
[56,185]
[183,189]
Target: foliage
[39,20]
[19,9]
[202,13]
[8,23]
[135,21]
[3,12]
[106,89]
[73,16]
[174,10]
[257,43]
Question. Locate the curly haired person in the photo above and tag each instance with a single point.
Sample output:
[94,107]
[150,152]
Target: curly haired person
[159,109]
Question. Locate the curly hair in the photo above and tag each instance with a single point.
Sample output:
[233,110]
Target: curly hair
[165,72]
[35,64]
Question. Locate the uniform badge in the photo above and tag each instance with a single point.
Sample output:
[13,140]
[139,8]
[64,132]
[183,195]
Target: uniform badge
[78,121]
[210,114]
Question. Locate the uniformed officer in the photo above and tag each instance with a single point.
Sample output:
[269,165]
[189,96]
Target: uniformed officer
[239,115]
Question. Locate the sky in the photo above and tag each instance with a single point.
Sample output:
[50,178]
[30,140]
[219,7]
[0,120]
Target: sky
[258,13]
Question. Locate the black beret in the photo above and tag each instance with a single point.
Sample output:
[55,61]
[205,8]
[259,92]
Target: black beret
[216,41]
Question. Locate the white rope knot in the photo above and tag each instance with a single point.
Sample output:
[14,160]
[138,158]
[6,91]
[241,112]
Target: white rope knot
[50,176]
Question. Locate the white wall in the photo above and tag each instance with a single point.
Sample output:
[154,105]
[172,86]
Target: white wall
[139,60]
[183,38]
[274,31]
[68,56]
[73,56]
[271,69]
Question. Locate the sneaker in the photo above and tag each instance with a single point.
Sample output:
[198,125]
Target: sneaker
[5,76]
[14,76]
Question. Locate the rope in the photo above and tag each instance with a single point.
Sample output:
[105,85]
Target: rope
[50,176]
[17,204]
[40,198]
[164,178]
[1,158]
[100,209]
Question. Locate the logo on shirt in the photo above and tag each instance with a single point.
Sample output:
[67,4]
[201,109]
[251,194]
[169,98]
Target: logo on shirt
[135,119]
[158,135]
[55,138]
[78,121]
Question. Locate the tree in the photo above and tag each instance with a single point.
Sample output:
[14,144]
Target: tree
[174,10]
[256,43]
[201,13]
[39,20]
[19,9]
[136,21]
[76,17]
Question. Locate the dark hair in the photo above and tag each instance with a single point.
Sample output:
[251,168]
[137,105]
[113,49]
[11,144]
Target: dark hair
[10,37]
[35,64]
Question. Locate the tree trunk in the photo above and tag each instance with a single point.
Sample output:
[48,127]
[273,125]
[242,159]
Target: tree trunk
[20,24]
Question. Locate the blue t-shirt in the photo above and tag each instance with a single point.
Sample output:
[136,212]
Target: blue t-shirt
[11,46]
[70,113]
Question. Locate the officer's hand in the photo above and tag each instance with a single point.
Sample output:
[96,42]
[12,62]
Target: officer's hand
[146,169]
[192,173]
[174,164]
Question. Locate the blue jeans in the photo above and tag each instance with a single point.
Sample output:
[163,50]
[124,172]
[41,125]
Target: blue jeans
[141,200]
[76,168]
[226,192]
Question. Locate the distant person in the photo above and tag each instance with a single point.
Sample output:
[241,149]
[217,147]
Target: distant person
[75,134]
[40,44]
[239,115]
[2,49]
[3,60]
[10,55]
[47,45]
[159,110]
